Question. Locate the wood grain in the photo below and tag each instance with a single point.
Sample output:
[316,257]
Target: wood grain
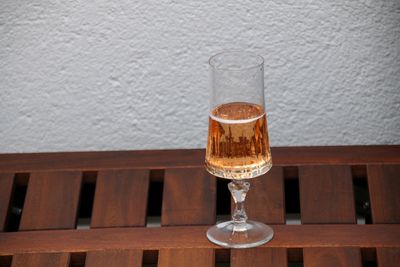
[120,198]
[186,257]
[384,192]
[41,260]
[114,258]
[189,197]
[189,158]
[326,194]
[294,236]
[6,187]
[388,257]
[332,257]
[51,201]
[120,201]
[259,257]
[50,197]
[265,201]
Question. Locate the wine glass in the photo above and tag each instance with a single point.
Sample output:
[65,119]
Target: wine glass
[238,145]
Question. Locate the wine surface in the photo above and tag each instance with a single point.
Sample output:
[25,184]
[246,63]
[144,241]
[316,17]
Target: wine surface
[238,145]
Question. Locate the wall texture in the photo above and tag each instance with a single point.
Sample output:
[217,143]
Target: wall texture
[112,75]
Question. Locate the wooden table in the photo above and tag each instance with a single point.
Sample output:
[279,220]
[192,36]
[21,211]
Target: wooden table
[347,198]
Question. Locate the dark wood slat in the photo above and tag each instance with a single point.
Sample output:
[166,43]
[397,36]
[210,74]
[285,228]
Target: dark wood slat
[326,194]
[259,257]
[120,198]
[264,203]
[189,197]
[384,191]
[332,257]
[186,257]
[6,186]
[160,159]
[388,257]
[114,258]
[294,236]
[51,201]
[41,260]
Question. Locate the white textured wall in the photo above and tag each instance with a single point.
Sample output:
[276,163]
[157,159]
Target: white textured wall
[111,75]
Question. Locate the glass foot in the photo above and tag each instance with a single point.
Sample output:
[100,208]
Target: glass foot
[252,235]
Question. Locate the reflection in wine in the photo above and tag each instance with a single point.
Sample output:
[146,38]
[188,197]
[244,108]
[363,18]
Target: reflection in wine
[238,146]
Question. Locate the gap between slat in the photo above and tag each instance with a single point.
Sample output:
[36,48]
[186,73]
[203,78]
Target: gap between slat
[223,205]
[5,261]
[17,201]
[222,257]
[292,195]
[154,198]
[86,200]
[150,258]
[361,194]
[77,259]
[368,257]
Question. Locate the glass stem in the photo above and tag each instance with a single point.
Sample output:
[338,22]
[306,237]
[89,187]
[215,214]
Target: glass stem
[239,189]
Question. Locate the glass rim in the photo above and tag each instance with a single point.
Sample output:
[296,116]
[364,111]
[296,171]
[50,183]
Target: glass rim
[260,60]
